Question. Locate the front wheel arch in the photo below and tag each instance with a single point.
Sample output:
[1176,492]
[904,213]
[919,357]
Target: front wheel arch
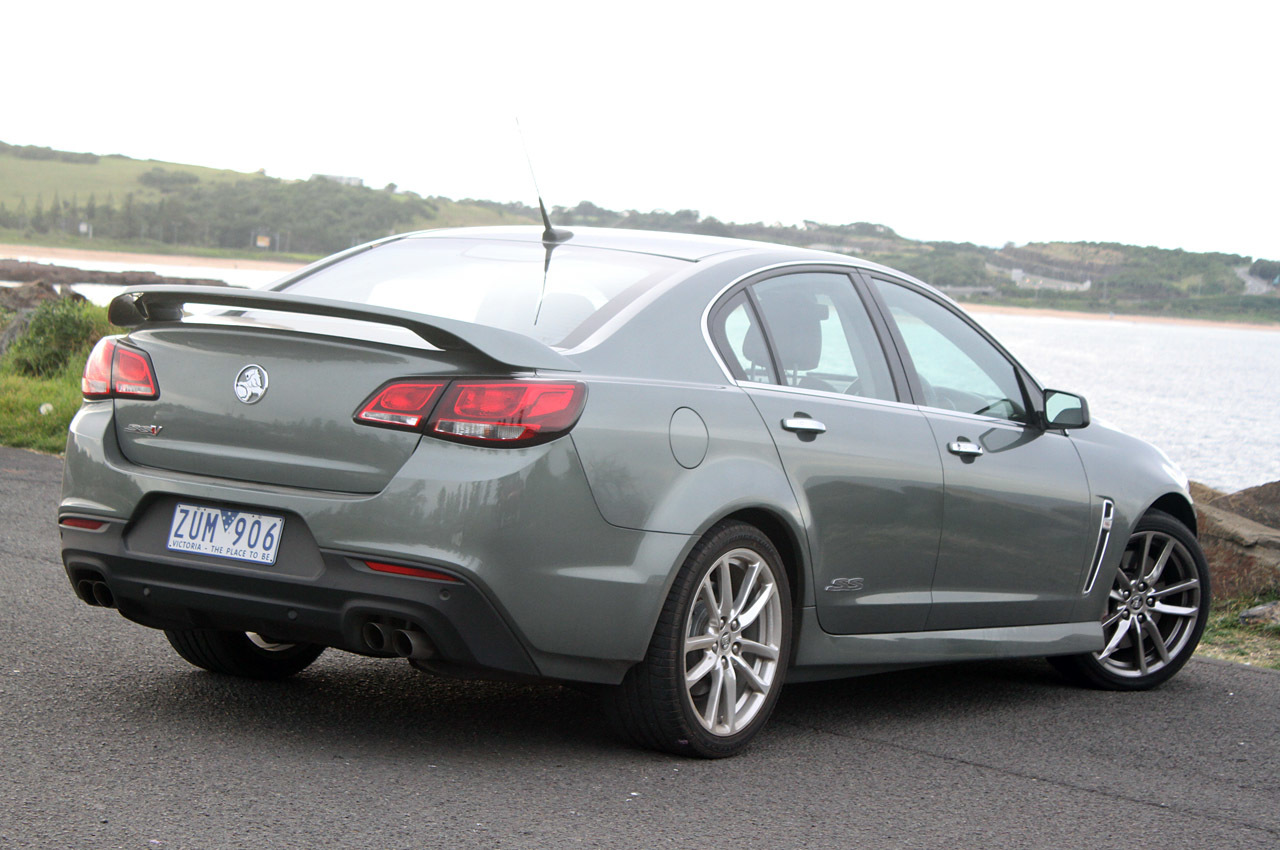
[1176,506]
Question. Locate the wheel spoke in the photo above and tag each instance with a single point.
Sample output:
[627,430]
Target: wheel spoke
[1154,576]
[1146,553]
[1157,639]
[726,588]
[753,681]
[729,703]
[1174,610]
[748,616]
[748,586]
[1114,643]
[700,670]
[759,650]
[1138,648]
[708,595]
[713,696]
[700,642]
[1113,619]
[1189,584]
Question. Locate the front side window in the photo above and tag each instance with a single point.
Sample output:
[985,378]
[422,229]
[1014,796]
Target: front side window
[958,368]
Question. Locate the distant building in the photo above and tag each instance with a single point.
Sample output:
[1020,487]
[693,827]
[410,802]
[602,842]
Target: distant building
[334,178]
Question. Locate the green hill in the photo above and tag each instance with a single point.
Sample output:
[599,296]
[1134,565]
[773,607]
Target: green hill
[46,194]
[29,173]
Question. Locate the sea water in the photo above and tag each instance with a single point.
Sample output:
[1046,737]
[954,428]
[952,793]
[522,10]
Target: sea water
[1209,396]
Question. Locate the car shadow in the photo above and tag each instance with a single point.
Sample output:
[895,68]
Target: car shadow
[385,708]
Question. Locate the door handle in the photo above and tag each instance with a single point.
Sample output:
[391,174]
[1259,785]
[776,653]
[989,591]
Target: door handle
[964,447]
[803,425]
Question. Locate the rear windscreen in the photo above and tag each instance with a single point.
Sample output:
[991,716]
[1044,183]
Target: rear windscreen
[556,299]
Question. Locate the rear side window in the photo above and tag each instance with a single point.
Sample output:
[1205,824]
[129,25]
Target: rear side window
[822,335]
[556,298]
[807,330]
[739,334]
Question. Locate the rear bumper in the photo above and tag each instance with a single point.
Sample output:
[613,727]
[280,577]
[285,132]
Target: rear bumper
[331,606]
[545,583]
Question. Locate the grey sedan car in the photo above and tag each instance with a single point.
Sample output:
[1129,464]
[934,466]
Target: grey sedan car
[683,469]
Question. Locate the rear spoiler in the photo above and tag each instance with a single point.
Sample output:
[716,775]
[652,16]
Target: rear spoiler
[164,304]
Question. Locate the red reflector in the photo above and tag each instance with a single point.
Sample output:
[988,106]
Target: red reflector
[404,404]
[80,522]
[510,412]
[418,572]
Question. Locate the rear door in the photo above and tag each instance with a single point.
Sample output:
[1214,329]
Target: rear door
[1015,533]
[863,464]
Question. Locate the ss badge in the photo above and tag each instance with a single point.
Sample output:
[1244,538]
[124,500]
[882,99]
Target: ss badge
[845,584]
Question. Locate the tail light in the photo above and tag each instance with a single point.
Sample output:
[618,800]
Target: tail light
[510,413]
[507,412]
[117,371]
[403,404]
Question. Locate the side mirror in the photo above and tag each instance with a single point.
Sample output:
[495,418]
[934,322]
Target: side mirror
[1064,410]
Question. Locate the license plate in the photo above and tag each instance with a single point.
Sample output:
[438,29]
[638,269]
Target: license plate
[240,535]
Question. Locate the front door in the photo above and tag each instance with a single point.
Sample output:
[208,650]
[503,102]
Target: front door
[1015,533]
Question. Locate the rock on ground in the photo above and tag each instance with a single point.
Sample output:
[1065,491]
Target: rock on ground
[1240,533]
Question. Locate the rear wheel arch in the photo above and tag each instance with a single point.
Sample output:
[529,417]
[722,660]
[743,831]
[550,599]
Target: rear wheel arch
[785,539]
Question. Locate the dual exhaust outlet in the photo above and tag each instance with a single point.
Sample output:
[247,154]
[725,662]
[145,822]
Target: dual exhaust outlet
[407,643]
[95,592]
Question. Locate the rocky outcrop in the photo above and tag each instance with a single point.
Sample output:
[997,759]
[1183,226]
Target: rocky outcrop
[28,296]
[24,272]
[1242,545]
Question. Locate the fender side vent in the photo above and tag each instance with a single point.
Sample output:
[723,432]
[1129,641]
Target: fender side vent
[1100,551]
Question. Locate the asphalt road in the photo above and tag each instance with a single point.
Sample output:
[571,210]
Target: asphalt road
[108,739]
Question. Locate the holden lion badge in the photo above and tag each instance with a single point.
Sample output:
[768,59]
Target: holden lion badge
[251,384]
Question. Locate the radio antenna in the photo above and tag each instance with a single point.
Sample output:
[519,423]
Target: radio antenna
[550,236]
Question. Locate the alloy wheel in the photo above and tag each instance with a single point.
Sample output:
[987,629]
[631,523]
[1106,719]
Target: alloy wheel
[732,641]
[1153,608]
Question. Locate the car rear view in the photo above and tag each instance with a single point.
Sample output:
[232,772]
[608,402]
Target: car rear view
[371,457]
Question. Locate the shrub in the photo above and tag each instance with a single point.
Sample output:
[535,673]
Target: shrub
[59,330]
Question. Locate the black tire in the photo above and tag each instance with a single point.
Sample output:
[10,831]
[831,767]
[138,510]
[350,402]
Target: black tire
[1171,609]
[655,708]
[238,654]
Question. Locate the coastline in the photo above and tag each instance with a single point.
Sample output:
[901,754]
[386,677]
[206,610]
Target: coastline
[1115,317]
[74,254]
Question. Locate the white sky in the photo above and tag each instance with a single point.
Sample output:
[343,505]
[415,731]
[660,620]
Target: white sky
[1145,123]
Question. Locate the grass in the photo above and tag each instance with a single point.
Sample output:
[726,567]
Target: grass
[22,425]
[1227,638]
[32,378]
[110,175]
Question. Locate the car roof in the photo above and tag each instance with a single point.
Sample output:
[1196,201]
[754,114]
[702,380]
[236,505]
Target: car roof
[681,246]
[691,247]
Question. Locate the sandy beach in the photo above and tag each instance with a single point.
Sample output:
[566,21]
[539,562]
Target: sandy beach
[978,309]
[71,255]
